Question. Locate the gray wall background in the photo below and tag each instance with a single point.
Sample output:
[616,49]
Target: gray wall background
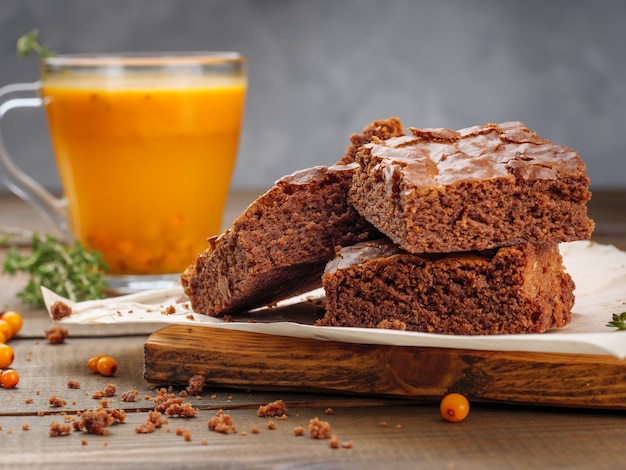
[322,69]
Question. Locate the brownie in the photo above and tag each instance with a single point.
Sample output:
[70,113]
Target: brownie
[279,246]
[380,129]
[517,289]
[483,187]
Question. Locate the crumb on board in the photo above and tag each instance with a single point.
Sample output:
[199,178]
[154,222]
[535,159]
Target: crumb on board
[96,421]
[56,334]
[172,405]
[108,391]
[319,429]
[222,423]
[129,396]
[153,422]
[196,384]
[275,408]
[73,384]
[59,429]
[56,401]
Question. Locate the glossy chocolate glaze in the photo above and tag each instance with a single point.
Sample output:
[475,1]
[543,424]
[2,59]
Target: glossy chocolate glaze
[434,157]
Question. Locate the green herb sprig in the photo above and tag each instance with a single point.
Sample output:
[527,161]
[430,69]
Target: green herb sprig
[67,269]
[618,322]
[29,44]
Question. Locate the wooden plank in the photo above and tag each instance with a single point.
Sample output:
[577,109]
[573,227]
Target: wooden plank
[414,437]
[259,361]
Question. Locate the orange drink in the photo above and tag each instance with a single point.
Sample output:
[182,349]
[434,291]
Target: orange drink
[145,150]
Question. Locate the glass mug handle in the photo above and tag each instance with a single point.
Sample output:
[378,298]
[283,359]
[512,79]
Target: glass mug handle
[49,207]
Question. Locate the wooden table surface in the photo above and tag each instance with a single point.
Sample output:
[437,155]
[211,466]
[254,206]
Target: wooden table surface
[384,433]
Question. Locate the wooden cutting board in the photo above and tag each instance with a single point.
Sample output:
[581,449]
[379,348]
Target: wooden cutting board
[236,359]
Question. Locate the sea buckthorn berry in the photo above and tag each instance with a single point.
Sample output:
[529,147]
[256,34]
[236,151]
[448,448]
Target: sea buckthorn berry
[3,338]
[6,329]
[92,363]
[6,355]
[454,407]
[107,366]
[14,319]
[9,378]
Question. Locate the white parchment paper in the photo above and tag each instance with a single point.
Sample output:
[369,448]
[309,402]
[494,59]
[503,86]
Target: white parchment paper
[599,272]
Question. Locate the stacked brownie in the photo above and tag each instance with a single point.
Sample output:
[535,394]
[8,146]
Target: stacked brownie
[473,219]
[440,231]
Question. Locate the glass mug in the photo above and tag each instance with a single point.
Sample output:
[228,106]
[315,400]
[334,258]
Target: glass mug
[145,145]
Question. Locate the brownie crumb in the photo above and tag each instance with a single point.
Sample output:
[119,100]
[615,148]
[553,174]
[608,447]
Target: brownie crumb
[153,422]
[184,410]
[59,429]
[56,334]
[276,408]
[172,405]
[145,428]
[60,310]
[155,418]
[129,396]
[73,384]
[319,429]
[118,415]
[96,421]
[56,401]
[196,384]
[222,422]
[104,403]
[108,391]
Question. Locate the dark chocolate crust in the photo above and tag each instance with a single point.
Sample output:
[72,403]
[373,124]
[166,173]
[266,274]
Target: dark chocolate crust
[440,190]
[519,289]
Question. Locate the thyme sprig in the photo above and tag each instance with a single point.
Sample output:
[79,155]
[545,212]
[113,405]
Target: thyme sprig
[69,270]
[618,321]
[29,44]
